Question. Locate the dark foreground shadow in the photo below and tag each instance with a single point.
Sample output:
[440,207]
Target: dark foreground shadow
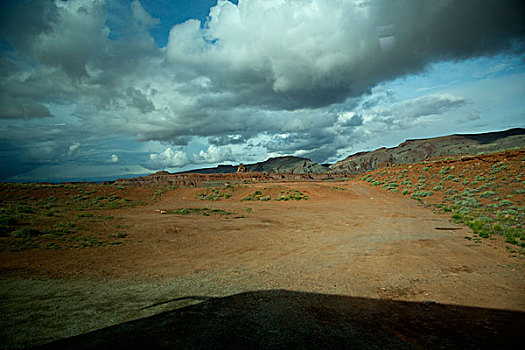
[286,319]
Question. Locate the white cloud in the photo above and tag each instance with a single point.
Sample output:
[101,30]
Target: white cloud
[113,159]
[73,148]
[167,159]
[213,155]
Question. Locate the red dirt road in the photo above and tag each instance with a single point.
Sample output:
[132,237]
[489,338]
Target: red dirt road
[348,239]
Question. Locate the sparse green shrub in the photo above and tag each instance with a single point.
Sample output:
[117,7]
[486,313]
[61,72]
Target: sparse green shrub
[444,170]
[467,192]
[213,195]
[64,227]
[422,194]
[496,168]
[504,203]
[510,212]
[24,209]
[155,195]
[469,202]
[26,232]
[256,196]
[118,235]
[511,238]
[292,195]
[487,194]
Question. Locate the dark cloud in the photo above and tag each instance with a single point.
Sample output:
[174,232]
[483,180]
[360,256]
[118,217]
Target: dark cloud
[342,54]
[227,140]
[252,71]
[20,109]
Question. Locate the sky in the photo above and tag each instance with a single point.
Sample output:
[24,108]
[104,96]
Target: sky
[94,89]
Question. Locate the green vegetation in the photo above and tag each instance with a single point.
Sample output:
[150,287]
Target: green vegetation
[256,196]
[493,205]
[487,194]
[291,195]
[496,168]
[444,170]
[202,211]
[213,194]
[420,194]
[59,216]
[118,235]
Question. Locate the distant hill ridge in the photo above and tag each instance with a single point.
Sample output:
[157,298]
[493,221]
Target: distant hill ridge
[413,151]
[410,151]
[277,165]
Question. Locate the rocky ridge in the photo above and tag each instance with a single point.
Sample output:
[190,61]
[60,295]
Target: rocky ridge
[413,151]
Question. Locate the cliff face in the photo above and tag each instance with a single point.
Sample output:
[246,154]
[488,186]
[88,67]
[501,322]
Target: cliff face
[412,151]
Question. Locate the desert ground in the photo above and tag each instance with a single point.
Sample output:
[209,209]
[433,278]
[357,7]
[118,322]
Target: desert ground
[330,264]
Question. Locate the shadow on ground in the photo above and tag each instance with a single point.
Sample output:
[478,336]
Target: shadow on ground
[287,319]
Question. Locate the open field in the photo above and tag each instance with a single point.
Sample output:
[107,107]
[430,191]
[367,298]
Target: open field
[351,263]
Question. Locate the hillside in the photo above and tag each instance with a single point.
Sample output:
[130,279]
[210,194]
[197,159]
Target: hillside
[485,192]
[412,151]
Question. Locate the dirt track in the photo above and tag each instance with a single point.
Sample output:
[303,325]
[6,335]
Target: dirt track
[348,239]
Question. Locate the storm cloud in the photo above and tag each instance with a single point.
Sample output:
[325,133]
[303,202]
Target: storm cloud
[249,73]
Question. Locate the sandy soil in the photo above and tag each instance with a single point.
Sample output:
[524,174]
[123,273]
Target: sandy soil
[349,239]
